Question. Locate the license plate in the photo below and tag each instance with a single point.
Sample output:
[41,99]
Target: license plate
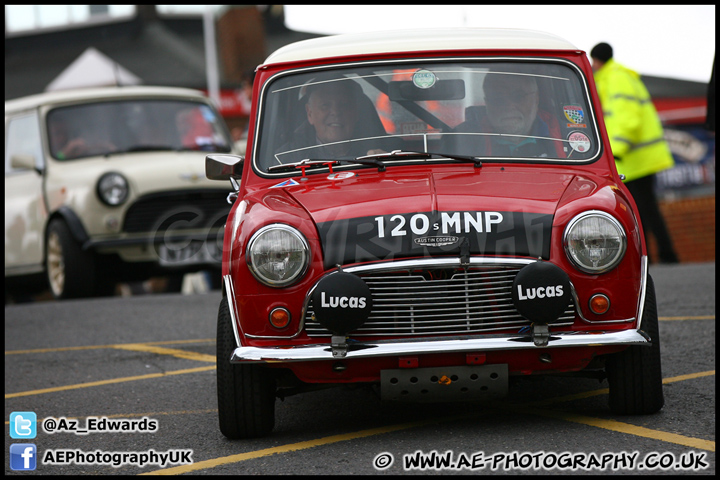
[195,252]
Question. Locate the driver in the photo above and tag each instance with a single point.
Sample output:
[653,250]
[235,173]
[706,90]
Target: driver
[512,109]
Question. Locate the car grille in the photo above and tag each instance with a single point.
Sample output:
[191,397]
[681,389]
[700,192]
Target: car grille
[440,302]
[198,209]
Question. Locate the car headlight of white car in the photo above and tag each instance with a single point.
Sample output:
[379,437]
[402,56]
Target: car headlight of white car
[113,189]
[594,242]
[278,255]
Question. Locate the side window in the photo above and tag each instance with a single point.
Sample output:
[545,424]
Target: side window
[23,138]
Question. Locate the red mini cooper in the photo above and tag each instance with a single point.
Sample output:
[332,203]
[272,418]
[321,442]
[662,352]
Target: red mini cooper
[432,212]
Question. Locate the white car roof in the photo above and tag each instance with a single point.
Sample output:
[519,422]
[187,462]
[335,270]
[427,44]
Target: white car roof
[415,40]
[110,93]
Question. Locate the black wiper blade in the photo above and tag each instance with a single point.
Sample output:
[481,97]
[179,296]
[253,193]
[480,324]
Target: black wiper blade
[366,160]
[209,147]
[404,154]
[327,162]
[461,158]
[141,148]
[302,164]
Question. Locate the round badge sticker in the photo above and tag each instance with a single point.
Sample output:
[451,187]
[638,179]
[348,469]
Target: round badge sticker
[579,141]
[340,175]
[424,79]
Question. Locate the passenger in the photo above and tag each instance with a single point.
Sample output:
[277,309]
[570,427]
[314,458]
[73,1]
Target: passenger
[332,111]
[332,118]
[196,132]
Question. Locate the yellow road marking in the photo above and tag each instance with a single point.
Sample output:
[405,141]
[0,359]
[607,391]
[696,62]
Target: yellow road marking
[605,391]
[107,382]
[141,347]
[698,317]
[615,426]
[117,345]
[689,376]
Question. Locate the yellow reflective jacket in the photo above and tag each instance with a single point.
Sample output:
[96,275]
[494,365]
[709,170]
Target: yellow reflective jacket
[633,125]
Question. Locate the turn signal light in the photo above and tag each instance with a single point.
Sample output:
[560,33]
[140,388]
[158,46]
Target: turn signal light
[279,318]
[599,304]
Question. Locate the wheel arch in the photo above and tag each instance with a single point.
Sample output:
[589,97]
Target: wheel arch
[73,222]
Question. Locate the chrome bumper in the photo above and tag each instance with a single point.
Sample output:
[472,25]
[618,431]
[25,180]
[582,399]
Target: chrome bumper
[308,353]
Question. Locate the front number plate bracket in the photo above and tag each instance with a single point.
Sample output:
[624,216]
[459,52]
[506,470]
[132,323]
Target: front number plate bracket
[440,384]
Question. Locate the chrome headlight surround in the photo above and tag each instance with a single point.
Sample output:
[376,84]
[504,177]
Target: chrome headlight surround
[594,241]
[277,255]
[112,189]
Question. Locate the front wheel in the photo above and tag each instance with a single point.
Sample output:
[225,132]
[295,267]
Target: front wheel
[246,393]
[70,270]
[635,374]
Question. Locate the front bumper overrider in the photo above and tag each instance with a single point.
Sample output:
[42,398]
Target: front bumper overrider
[360,350]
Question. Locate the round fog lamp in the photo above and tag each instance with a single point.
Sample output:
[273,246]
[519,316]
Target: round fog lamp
[279,318]
[599,304]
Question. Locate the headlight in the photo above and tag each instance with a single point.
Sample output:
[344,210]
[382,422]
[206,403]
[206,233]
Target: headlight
[112,189]
[277,255]
[594,242]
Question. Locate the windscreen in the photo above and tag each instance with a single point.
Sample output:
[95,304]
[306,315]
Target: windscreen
[497,110]
[105,128]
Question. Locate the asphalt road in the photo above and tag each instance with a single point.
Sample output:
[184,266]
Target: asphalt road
[150,359]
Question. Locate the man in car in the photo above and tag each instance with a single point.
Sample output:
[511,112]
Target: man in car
[65,145]
[332,111]
[512,110]
[333,116]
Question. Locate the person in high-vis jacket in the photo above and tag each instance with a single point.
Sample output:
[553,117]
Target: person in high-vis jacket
[636,139]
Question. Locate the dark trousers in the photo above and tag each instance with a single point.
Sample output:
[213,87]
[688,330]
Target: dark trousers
[643,191]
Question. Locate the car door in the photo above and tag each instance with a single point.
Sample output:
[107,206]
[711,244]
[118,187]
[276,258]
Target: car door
[25,212]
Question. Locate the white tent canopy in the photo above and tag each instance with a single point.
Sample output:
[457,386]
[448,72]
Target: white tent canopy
[92,69]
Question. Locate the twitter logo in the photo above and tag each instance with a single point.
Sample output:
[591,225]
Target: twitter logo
[23,425]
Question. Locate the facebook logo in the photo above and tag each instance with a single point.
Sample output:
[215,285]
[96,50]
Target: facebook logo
[23,425]
[23,456]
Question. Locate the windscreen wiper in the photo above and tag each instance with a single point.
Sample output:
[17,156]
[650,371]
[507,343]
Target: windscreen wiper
[375,160]
[327,162]
[409,155]
[140,148]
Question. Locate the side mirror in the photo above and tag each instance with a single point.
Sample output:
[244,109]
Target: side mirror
[222,167]
[23,161]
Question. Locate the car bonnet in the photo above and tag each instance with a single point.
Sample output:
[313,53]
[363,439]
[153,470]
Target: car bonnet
[364,218]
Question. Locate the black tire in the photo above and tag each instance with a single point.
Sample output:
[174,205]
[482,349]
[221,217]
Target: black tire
[635,374]
[70,270]
[246,393]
